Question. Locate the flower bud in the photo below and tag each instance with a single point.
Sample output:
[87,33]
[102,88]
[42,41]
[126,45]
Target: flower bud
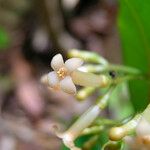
[116,133]
[89,79]
[88,56]
[84,93]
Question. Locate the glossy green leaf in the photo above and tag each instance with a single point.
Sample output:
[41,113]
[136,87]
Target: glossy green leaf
[134,29]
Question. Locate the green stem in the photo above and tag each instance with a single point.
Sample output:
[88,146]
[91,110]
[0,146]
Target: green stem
[110,67]
[125,78]
[103,101]
[104,121]
[99,125]
[125,69]
[92,130]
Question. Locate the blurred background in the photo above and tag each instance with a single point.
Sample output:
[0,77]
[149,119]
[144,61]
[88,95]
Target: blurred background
[31,33]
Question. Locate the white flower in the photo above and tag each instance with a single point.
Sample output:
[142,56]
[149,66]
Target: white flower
[60,78]
[143,128]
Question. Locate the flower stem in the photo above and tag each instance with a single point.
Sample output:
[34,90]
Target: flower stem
[110,67]
[125,78]
[92,130]
[125,69]
[103,101]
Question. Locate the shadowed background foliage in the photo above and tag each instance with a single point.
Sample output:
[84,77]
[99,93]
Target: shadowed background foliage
[33,31]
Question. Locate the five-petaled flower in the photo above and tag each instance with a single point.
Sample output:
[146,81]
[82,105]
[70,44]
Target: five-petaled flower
[60,78]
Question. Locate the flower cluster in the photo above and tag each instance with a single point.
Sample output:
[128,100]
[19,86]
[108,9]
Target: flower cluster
[93,76]
[64,77]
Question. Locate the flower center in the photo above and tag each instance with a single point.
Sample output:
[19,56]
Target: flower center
[62,72]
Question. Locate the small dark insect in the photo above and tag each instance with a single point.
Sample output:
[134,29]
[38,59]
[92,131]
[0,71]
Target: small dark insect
[112,74]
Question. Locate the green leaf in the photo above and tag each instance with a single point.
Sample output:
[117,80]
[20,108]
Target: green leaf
[4,39]
[134,28]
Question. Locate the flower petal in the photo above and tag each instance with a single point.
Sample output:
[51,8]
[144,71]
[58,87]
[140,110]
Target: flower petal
[57,62]
[53,79]
[67,85]
[73,63]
